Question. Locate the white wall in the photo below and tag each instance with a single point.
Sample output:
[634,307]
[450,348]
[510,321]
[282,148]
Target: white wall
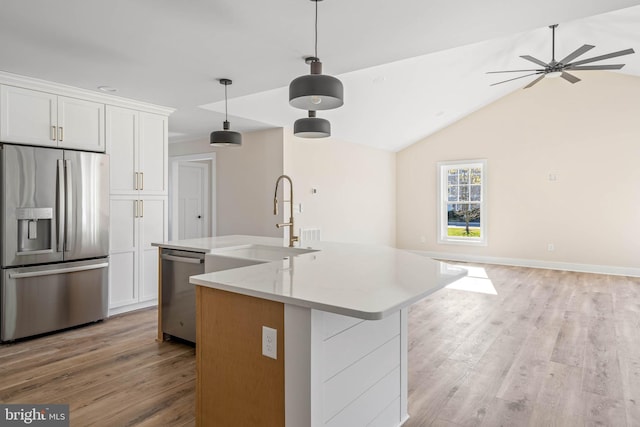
[588,134]
[356,200]
[244,181]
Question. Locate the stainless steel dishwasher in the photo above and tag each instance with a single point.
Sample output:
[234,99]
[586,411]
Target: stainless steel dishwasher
[178,295]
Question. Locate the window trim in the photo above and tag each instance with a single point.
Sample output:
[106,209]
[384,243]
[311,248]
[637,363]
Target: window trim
[441,203]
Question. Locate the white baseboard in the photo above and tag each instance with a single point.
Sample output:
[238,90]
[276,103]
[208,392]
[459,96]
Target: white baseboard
[132,307]
[550,265]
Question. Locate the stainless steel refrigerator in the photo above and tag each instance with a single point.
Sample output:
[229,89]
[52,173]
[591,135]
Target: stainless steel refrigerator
[54,237]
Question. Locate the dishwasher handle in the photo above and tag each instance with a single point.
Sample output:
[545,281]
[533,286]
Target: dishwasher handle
[182,259]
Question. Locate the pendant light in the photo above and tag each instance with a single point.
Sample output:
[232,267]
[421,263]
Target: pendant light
[316,91]
[312,127]
[226,137]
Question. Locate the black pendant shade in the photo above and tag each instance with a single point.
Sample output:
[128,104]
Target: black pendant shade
[316,91]
[312,127]
[225,137]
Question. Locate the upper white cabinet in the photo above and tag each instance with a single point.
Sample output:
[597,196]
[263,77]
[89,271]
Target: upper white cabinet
[39,118]
[138,145]
[80,124]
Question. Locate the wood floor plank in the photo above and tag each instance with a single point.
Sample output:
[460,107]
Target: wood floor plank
[560,400]
[527,373]
[630,370]
[430,394]
[571,341]
[603,411]
[508,413]
[601,366]
[468,405]
[552,348]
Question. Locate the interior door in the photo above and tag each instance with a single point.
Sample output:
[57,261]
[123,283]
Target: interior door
[191,200]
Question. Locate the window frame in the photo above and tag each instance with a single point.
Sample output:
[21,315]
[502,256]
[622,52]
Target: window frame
[443,201]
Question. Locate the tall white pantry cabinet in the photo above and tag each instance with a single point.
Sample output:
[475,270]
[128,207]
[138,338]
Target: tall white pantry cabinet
[135,135]
[137,142]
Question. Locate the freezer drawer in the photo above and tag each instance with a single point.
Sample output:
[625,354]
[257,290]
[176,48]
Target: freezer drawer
[35,300]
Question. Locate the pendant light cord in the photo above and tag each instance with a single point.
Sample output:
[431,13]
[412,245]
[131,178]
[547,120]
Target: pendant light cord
[226,118]
[316,2]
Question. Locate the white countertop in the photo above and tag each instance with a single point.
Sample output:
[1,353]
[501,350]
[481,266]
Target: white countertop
[207,244]
[364,281]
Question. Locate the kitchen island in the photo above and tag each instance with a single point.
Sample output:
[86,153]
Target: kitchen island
[306,337]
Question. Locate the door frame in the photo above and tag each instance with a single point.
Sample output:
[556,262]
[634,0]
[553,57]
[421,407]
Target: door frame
[174,161]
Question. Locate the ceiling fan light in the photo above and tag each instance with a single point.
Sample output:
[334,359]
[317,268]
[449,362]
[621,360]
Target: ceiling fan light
[316,92]
[312,127]
[553,74]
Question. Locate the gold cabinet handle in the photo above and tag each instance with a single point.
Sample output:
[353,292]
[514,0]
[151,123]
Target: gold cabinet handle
[135,208]
[60,134]
[136,183]
[141,208]
[54,133]
[142,180]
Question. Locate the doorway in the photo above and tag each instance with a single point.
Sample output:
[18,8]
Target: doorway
[192,195]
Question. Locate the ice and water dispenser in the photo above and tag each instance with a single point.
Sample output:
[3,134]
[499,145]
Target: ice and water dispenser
[34,230]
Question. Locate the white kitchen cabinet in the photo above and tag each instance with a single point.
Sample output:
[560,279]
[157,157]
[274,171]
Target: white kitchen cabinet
[40,118]
[133,275]
[138,144]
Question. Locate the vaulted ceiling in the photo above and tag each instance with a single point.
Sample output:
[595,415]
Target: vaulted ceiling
[409,68]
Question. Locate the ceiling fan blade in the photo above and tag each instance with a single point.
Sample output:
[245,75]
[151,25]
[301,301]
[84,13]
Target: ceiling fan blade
[578,52]
[514,71]
[607,56]
[534,60]
[534,82]
[596,67]
[516,78]
[569,77]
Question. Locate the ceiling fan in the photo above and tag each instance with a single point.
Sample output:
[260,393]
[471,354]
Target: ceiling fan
[560,68]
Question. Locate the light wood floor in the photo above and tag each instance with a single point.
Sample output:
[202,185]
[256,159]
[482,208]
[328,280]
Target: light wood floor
[549,348]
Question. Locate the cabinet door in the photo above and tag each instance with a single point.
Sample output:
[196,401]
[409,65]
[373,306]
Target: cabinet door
[122,140]
[123,256]
[80,124]
[153,229]
[28,116]
[153,154]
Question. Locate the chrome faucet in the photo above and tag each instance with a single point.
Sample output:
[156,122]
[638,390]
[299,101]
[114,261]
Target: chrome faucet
[289,224]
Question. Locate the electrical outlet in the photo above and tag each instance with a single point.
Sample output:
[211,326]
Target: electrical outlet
[551,247]
[270,342]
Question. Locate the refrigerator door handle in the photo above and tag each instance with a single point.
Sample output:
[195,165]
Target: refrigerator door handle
[60,208]
[58,271]
[68,227]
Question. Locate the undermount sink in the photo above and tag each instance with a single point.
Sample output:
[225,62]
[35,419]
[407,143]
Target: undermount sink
[262,252]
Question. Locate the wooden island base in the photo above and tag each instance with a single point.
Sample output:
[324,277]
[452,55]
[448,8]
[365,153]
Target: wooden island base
[331,370]
[236,384]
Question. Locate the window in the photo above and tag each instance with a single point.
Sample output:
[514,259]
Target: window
[462,215]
